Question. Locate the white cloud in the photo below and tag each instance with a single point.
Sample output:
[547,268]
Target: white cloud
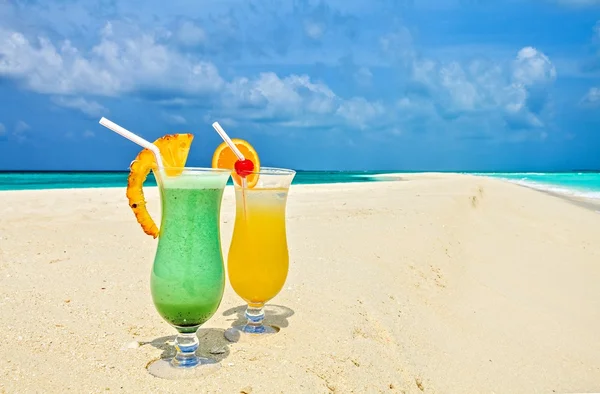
[291,95]
[91,108]
[481,87]
[398,45]
[464,94]
[174,119]
[483,90]
[592,97]
[591,65]
[295,100]
[363,76]
[175,102]
[128,60]
[189,34]
[88,134]
[360,112]
[531,67]
[117,64]
[452,89]
[2,130]
[21,127]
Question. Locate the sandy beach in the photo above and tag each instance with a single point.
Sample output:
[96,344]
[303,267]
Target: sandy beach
[436,283]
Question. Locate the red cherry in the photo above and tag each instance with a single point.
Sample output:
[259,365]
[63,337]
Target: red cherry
[244,167]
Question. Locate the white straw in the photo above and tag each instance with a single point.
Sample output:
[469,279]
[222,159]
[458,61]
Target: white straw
[226,138]
[134,138]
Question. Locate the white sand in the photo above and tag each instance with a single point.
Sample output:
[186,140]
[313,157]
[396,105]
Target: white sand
[437,283]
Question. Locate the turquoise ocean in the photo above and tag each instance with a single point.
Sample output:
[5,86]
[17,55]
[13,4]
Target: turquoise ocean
[67,180]
[585,184]
[581,184]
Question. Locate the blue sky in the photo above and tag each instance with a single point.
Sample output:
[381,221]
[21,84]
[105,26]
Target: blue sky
[342,84]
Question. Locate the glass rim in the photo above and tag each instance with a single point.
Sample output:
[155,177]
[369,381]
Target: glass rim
[197,169]
[272,171]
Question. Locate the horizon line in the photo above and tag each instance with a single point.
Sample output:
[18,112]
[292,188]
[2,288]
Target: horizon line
[329,170]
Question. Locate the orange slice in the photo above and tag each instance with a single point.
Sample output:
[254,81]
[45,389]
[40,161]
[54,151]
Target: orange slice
[174,149]
[225,158]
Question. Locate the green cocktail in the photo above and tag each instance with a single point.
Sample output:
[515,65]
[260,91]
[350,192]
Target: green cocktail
[188,274]
[187,279]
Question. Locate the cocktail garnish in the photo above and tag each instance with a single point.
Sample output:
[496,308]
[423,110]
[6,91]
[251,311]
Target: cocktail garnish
[244,167]
[248,168]
[174,149]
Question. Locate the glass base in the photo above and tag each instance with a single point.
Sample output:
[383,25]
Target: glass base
[236,333]
[164,369]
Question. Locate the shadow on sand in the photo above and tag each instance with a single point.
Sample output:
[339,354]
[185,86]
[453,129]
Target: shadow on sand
[275,315]
[212,344]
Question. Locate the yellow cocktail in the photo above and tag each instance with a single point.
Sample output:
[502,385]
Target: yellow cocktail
[258,256]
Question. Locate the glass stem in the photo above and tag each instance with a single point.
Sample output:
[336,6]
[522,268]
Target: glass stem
[255,315]
[186,345]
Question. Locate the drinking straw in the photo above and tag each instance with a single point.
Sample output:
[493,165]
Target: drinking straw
[226,138]
[134,138]
[229,142]
[239,155]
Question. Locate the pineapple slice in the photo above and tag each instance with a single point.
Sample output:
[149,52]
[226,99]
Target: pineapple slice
[174,149]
